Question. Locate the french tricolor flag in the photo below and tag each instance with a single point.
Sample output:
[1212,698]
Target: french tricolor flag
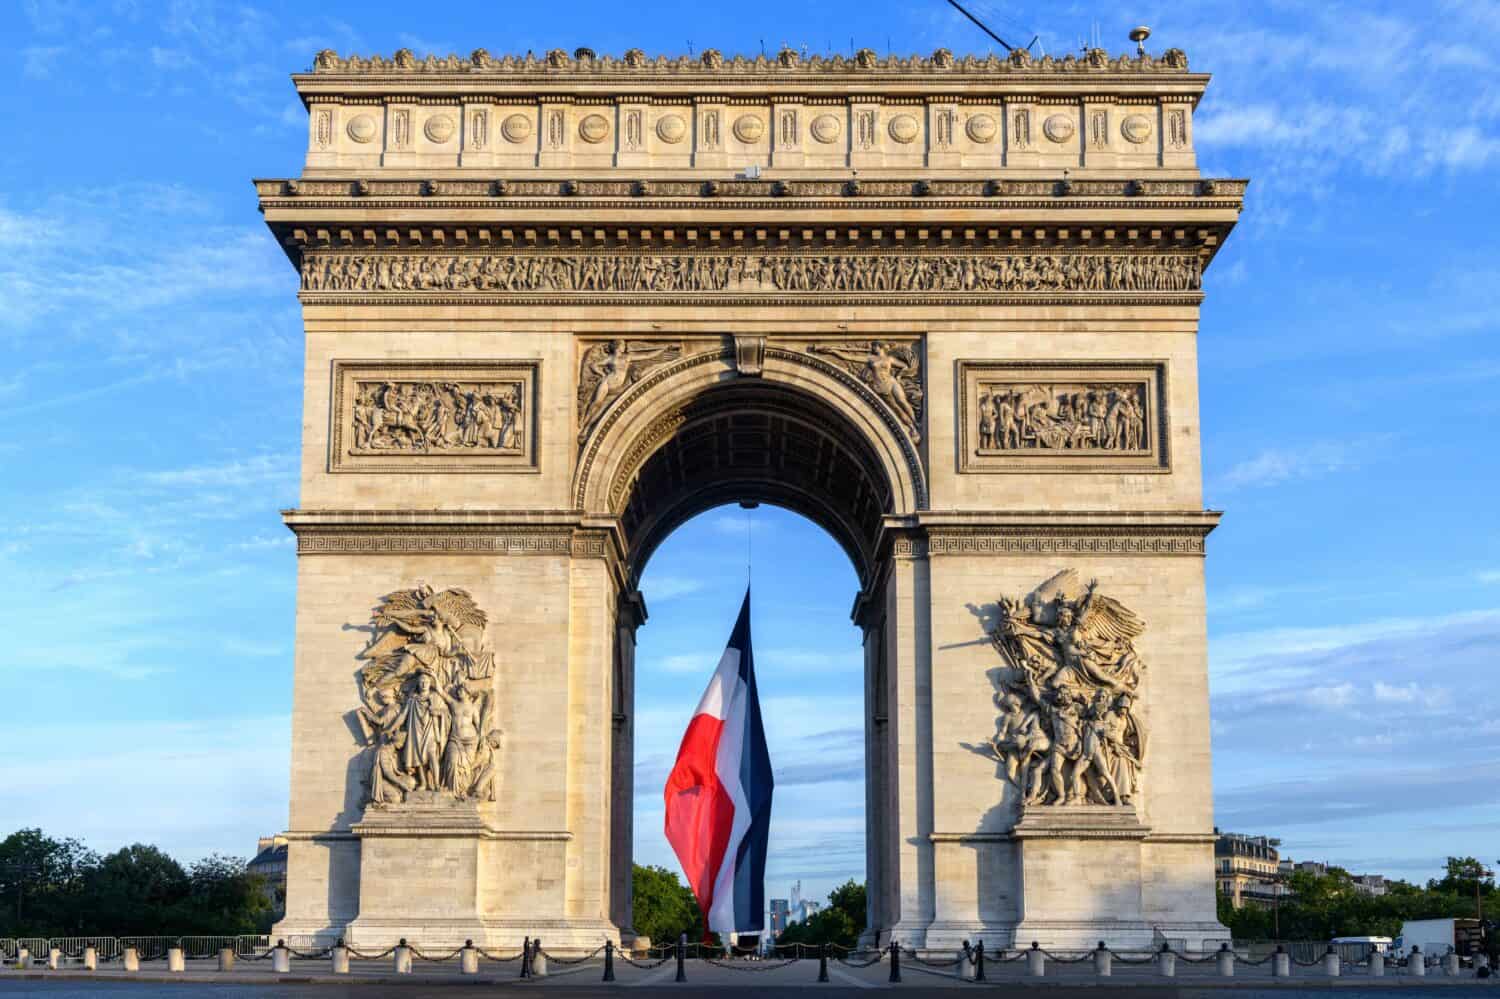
[719,794]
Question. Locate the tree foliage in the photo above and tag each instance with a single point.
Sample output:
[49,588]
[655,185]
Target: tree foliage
[57,887]
[840,923]
[664,907]
[1323,906]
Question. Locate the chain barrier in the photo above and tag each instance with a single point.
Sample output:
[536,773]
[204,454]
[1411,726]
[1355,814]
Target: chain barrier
[849,960]
[1078,959]
[645,965]
[417,953]
[912,955]
[500,958]
[1116,955]
[733,965]
[1210,958]
[1247,962]
[573,960]
[309,955]
[362,956]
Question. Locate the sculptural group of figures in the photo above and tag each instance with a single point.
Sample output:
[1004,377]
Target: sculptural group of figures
[427,713]
[1067,732]
[1029,417]
[428,416]
[534,272]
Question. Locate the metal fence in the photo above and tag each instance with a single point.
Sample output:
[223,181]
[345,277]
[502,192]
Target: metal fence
[148,948]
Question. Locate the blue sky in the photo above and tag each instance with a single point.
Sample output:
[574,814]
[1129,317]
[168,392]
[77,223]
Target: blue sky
[1350,391]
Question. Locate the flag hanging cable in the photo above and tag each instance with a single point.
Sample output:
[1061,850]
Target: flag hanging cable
[718,796]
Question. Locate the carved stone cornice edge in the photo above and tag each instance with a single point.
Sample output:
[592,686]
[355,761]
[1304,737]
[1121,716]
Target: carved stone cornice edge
[459,532]
[1054,533]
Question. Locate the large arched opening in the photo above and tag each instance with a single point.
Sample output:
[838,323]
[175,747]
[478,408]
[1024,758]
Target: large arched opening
[795,437]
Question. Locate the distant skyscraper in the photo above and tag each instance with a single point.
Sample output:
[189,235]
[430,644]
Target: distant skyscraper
[780,911]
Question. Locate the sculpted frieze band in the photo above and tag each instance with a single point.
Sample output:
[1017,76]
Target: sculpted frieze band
[751,272]
[1080,417]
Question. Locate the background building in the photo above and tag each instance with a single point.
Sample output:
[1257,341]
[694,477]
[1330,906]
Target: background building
[1248,868]
[270,863]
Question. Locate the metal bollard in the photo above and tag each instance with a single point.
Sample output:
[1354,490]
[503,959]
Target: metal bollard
[1104,961]
[681,958]
[526,958]
[90,959]
[226,958]
[538,959]
[895,961]
[176,960]
[23,958]
[1166,962]
[979,962]
[340,957]
[281,958]
[609,961]
[1417,963]
[402,963]
[468,959]
[1036,961]
[1450,963]
[1224,961]
[1281,963]
[1331,966]
[131,959]
[1377,964]
[1481,961]
[54,959]
[823,962]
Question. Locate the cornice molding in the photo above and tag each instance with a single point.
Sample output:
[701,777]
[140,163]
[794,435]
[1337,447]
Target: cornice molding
[787,66]
[1053,533]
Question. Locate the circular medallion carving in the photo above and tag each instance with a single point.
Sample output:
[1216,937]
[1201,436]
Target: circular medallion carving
[593,128]
[748,128]
[439,128]
[671,128]
[516,128]
[1058,128]
[361,128]
[826,128]
[981,128]
[904,128]
[1136,128]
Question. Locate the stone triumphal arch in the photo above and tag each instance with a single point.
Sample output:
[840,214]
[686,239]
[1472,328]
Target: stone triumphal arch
[945,307]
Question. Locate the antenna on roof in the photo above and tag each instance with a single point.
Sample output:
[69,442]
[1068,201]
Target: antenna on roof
[982,26]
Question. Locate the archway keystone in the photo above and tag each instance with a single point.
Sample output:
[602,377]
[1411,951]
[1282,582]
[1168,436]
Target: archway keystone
[537,343]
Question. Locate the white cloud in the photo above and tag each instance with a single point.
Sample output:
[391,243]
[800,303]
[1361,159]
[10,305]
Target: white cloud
[1488,576]
[238,472]
[662,588]
[1274,466]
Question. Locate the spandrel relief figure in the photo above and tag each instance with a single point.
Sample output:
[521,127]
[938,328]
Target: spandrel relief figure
[891,370]
[1068,732]
[426,686]
[608,369]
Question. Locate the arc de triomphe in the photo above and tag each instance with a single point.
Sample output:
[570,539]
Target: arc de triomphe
[946,307]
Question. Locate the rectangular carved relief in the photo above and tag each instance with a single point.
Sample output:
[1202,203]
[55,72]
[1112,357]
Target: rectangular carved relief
[1063,416]
[434,416]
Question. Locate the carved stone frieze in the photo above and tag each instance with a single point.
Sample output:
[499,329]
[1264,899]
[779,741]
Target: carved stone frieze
[1101,416]
[891,369]
[1069,731]
[750,272]
[433,416]
[427,711]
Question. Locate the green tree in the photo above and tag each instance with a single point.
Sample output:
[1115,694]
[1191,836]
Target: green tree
[41,883]
[840,923]
[664,907]
[224,896]
[137,890]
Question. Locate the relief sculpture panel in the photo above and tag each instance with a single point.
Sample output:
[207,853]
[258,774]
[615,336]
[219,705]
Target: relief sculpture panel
[428,714]
[1060,416]
[438,416]
[1068,731]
